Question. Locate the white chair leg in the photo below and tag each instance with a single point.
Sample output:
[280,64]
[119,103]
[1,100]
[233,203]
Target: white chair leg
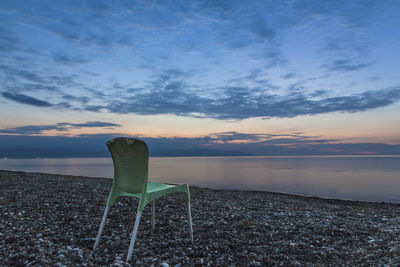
[190,222]
[103,221]
[153,216]
[133,238]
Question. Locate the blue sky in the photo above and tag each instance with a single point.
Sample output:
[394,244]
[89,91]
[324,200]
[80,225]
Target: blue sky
[223,74]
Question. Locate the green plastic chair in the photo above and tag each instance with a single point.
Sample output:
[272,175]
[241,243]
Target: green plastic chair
[130,158]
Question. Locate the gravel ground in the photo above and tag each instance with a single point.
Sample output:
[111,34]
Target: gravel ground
[53,219]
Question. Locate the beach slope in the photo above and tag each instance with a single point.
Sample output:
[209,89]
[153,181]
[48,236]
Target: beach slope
[50,219]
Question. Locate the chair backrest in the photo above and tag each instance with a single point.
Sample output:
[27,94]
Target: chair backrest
[131,162]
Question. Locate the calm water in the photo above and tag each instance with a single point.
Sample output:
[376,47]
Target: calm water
[356,178]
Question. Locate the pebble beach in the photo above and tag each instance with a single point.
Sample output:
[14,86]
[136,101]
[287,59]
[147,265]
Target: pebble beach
[52,220]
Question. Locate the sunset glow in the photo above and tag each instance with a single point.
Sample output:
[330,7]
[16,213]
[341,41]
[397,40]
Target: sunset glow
[203,74]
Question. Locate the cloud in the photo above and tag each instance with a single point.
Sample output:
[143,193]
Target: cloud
[8,42]
[62,126]
[171,92]
[29,129]
[21,85]
[90,124]
[81,99]
[232,34]
[18,78]
[346,65]
[289,138]
[171,95]
[288,75]
[24,99]
[106,24]
[93,145]
[234,24]
[34,87]
[14,73]
[65,59]
[273,57]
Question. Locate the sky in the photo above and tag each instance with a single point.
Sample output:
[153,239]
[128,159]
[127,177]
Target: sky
[200,77]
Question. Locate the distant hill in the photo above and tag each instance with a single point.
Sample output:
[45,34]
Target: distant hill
[196,152]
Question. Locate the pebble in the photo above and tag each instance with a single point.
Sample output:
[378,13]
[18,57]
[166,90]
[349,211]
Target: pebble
[231,228]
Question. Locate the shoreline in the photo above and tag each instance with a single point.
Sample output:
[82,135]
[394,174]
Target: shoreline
[396,202]
[216,189]
[49,219]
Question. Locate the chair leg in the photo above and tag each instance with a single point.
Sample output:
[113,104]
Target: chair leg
[133,238]
[153,216]
[190,221]
[103,221]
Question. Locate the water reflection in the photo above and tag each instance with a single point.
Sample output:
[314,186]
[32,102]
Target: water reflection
[357,178]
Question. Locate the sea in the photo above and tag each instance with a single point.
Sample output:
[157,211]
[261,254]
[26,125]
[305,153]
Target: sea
[364,178]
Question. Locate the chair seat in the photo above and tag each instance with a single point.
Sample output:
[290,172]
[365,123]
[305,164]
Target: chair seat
[154,187]
[156,190]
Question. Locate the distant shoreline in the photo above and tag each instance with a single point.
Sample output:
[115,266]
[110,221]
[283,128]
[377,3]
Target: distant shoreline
[278,156]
